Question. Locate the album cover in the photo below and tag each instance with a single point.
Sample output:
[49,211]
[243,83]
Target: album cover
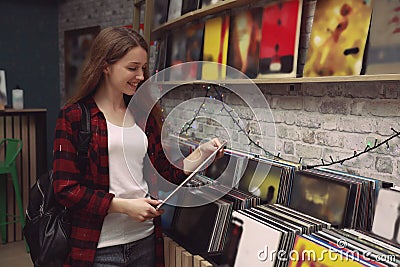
[255,237]
[384,38]
[160,12]
[244,42]
[261,179]
[212,218]
[160,63]
[387,215]
[338,38]
[280,38]
[215,47]
[190,5]
[309,252]
[369,188]
[370,238]
[194,47]
[320,197]
[174,10]
[176,54]
[188,221]
[227,169]
[371,253]
[206,3]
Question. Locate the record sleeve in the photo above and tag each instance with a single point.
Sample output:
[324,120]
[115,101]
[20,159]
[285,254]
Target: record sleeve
[254,238]
[280,39]
[244,42]
[306,252]
[160,12]
[387,215]
[320,197]
[175,9]
[190,5]
[215,47]
[384,38]
[338,38]
[261,179]
[207,3]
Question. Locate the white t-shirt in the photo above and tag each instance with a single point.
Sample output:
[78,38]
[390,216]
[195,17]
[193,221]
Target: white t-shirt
[126,181]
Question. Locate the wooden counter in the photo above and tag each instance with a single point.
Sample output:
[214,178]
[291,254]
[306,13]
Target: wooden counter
[30,126]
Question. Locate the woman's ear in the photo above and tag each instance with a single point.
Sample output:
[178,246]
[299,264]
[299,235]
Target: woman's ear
[106,68]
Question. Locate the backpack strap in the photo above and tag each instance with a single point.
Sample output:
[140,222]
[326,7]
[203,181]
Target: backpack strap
[84,137]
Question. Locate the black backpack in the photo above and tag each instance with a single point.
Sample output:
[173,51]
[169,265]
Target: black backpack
[47,224]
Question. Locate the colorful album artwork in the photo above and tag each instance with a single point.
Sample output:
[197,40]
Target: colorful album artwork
[244,42]
[280,39]
[338,38]
[319,197]
[387,215]
[216,34]
[262,180]
[307,253]
[384,38]
[194,44]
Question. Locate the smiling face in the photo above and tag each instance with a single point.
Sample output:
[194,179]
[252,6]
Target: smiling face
[125,74]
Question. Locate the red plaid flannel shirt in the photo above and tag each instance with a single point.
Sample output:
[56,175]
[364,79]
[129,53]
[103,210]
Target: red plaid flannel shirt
[87,196]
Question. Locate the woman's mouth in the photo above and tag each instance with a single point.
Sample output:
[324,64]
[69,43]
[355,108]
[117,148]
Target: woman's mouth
[134,85]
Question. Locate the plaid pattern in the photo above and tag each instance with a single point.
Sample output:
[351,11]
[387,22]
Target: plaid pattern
[87,195]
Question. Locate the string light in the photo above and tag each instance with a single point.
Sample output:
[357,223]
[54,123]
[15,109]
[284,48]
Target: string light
[247,133]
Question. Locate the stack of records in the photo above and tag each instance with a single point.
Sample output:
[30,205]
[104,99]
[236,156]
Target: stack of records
[212,218]
[208,206]
[239,199]
[374,241]
[268,179]
[264,235]
[371,189]
[342,199]
[265,179]
[332,247]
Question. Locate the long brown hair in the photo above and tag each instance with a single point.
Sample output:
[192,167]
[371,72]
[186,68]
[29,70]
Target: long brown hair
[109,46]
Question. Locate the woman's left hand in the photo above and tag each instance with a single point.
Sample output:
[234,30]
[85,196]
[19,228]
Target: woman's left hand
[209,147]
[201,153]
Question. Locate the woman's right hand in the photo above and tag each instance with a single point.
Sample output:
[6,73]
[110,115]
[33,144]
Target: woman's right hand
[140,209]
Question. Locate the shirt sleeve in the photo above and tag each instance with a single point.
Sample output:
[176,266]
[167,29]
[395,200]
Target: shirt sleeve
[70,185]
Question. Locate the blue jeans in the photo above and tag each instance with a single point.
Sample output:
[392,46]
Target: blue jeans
[137,253]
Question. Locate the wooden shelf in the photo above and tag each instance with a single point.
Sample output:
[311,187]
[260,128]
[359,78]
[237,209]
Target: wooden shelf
[330,79]
[225,5]
[22,111]
[327,79]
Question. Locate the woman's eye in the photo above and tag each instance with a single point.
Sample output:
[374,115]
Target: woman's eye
[132,69]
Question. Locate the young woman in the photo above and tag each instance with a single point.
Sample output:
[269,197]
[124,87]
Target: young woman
[114,222]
